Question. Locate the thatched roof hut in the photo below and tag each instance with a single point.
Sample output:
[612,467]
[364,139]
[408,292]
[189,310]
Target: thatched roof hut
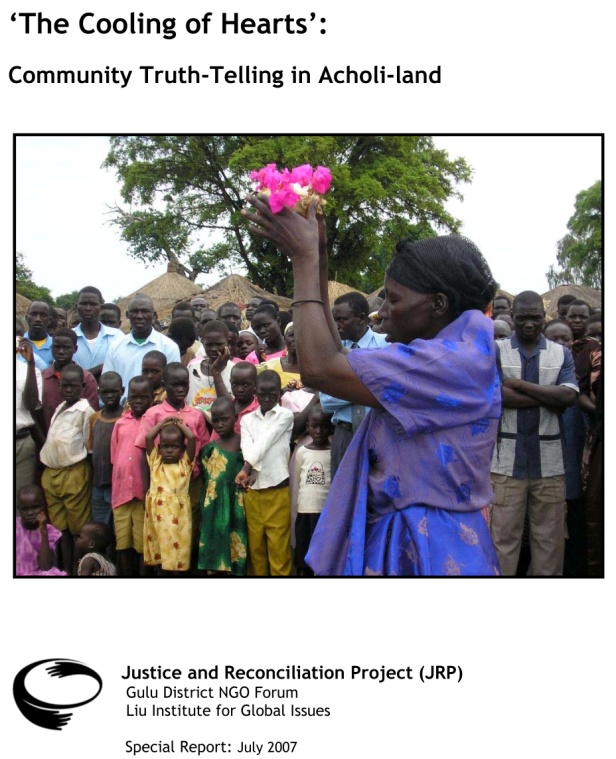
[504,294]
[336,289]
[22,304]
[167,290]
[171,288]
[238,289]
[581,292]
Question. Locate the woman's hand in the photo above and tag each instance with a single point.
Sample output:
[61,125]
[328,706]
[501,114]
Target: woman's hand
[294,235]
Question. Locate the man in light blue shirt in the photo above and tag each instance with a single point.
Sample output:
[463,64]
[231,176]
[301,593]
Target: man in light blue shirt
[93,337]
[350,313]
[124,356]
[38,323]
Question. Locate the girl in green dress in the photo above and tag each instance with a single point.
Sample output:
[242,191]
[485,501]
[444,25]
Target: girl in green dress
[223,541]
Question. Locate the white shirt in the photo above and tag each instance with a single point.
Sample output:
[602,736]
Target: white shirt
[23,418]
[266,440]
[201,387]
[67,436]
[313,471]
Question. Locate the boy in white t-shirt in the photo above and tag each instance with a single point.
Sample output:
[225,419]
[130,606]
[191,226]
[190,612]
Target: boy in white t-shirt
[313,473]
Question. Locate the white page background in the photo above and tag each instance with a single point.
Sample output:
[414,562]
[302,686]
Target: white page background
[535,655]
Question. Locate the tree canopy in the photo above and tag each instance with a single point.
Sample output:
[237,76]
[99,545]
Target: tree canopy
[68,300]
[25,285]
[183,196]
[580,252]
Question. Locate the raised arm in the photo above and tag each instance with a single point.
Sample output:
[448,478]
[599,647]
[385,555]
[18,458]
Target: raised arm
[324,281]
[30,395]
[322,363]
[151,435]
[217,367]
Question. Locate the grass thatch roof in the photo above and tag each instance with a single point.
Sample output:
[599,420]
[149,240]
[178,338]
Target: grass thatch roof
[171,288]
[336,289]
[238,289]
[581,292]
[167,290]
[22,304]
[504,294]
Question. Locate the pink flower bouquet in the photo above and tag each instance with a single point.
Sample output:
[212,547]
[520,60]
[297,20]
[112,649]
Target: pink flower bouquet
[295,189]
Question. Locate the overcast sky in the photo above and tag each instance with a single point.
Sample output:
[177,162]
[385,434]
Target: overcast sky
[516,209]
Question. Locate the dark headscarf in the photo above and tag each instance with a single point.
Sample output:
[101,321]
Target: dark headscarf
[451,265]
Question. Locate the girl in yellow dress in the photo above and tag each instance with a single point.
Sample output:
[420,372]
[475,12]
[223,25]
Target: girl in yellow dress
[168,520]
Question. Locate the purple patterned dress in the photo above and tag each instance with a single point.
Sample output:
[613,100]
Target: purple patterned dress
[27,549]
[408,497]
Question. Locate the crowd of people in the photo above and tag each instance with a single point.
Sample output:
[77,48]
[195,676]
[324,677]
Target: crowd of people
[442,430]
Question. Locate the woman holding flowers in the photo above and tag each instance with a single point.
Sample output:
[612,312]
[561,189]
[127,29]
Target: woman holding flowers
[411,493]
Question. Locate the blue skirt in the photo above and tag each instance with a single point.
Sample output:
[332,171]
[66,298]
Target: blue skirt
[424,541]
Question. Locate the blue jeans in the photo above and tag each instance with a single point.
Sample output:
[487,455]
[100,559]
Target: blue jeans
[101,505]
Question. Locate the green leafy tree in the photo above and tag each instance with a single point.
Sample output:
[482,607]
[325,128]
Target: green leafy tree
[25,285]
[183,197]
[580,252]
[68,300]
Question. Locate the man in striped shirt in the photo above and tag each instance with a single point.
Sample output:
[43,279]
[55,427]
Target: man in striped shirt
[538,383]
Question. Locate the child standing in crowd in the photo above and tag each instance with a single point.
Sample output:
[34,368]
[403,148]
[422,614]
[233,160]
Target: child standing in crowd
[243,387]
[223,543]
[63,348]
[247,343]
[35,539]
[313,475]
[99,444]
[67,476]
[175,379]
[90,547]
[266,437]
[167,534]
[152,367]
[266,324]
[203,391]
[126,480]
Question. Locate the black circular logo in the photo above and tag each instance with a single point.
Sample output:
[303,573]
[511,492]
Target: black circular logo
[50,715]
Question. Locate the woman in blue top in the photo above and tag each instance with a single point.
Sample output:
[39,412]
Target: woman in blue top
[412,491]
